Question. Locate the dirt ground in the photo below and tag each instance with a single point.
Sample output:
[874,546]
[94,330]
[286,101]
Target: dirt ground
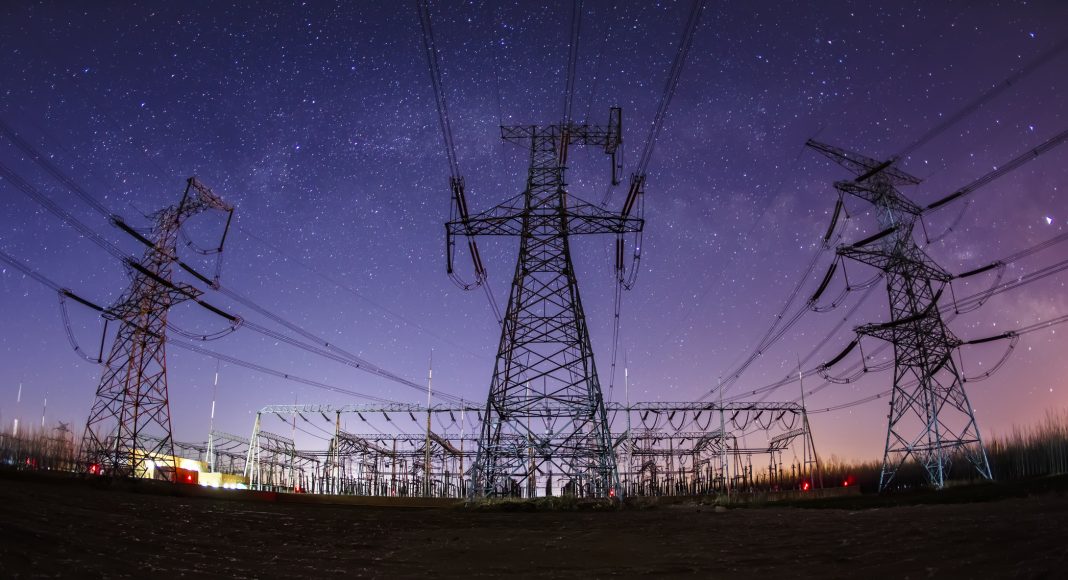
[69,529]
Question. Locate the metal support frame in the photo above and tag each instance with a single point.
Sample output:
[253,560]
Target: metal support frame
[275,464]
[660,448]
[544,358]
[129,425]
[930,417]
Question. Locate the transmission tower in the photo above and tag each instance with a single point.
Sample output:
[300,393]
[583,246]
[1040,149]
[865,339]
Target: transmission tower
[930,417]
[129,426]
[545,416]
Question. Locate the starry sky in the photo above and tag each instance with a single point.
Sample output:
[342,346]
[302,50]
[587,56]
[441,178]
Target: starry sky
[317,121]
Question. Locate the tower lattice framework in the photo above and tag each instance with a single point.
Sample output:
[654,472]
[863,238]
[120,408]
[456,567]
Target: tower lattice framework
[545,422]
[130,422]
[930,417]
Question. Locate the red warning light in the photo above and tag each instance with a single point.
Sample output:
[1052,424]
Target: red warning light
[804,486]
[612,492]
[94,469]
[845,483]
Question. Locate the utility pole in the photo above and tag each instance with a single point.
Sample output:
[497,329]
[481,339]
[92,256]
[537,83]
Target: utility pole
[18,403]
[337,453]
[293,452]
[930,417]
[808,443]
[426,458]
[544,336]
[463,425]
[211,421]
[129,425]
[723,446]
[627,441]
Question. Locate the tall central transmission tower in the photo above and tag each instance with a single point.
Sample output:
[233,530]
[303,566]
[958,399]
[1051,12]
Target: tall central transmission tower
[545,416]
[129,426]
[930,417]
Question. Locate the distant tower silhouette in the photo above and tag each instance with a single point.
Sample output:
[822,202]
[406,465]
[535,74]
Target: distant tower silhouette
[545,418]
[130,422]
[930,418]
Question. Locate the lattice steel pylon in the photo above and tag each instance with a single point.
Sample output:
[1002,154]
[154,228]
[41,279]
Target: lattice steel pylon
[129,426]
[930,417]
[545,416]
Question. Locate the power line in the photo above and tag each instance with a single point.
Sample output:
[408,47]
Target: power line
[670,85]
[572,60]
[47,282]
[774,332]
[597,68]
[983,98]
[43,200]
[434,68]
[459,209]
[101,209]
[1017,332]
[388,311]
[958,306]
[1000,171]
[30,151]
[276,373]
[47,203]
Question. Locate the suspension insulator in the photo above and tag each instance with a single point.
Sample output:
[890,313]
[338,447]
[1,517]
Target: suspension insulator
[842,354]
[946,199]
[636,185]
[834,220]
[1001,336]
[826,280]
[876,237]
[978,271]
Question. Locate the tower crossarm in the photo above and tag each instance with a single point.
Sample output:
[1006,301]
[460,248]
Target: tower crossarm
[606,136]
[350,443]
[206,198]
[782,442]
[581,218]
[877,193]
[895,260]
[862,166]
[913,330]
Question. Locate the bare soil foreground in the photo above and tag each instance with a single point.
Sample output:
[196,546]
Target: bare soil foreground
[72,529]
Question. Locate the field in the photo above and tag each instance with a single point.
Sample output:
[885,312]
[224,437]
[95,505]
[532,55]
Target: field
[69,528]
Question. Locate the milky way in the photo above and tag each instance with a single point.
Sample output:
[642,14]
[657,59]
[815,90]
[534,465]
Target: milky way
[317,122]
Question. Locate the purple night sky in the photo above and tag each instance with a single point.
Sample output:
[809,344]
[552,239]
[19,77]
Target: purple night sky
[317,121]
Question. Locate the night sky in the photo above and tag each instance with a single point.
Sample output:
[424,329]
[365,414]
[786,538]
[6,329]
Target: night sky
[317,121]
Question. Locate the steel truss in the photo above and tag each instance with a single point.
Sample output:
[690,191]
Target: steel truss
[660,448]
[930,417]
[544,358]
[274,463]
[130,421]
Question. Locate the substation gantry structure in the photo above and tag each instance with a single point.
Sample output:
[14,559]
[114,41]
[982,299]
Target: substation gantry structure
[129,426]
[659,449]
[544,417]
[930,418]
